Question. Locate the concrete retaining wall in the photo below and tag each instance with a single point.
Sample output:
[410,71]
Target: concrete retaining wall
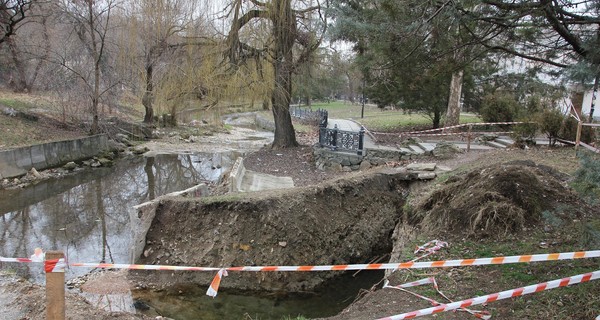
[17,162]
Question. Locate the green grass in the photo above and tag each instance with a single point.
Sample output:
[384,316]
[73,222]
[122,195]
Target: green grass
[16,104]
[376,119]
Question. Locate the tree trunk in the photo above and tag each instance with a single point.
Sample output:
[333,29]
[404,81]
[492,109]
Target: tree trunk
[453,112]
[96,56]
[20,85]
[594,96]
[284,31]
[437,117]
[148,98]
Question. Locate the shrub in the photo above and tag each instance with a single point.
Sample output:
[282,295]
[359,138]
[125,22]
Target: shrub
[587,177]
[550,122]
[569,131]
[499,107]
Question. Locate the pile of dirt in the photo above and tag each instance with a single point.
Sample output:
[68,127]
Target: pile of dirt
[342,222]
[498,199]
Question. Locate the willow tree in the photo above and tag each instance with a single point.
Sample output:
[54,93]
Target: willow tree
[289,42]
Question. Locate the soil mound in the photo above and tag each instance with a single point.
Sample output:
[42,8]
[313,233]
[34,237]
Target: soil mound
[498,199]
[342,222]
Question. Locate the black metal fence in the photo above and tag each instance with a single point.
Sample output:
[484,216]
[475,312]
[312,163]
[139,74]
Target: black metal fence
[307,114]
[335,139]
[342,140]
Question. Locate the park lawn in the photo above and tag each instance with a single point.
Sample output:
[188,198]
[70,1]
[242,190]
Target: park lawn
[376,119]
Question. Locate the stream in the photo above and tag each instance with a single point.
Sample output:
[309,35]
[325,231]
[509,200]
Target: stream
[87,215]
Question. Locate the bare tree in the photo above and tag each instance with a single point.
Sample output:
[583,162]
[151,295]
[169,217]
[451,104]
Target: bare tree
[12,13]
[90,21]
[289,29]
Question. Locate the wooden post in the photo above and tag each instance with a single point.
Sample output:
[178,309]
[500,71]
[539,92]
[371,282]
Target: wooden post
[469,138]
[55,289]
[578,138]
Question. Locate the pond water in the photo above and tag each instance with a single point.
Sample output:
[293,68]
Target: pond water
[87,215]
[194,304]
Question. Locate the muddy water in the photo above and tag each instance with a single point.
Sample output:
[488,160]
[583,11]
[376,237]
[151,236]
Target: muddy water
[87,215]
[192,302]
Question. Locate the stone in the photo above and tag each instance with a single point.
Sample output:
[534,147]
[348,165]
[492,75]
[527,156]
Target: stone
[335,167]
[346,169]
[140,150]
[445,150]
[426,175]
[365,165]
[282,244]
[34,173]
[70,166]
[421,166]
[105,162]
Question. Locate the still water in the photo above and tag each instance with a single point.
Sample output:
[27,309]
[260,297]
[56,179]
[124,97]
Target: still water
[87,215]
[194,304]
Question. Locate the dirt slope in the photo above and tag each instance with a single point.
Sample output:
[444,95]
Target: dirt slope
[347,221]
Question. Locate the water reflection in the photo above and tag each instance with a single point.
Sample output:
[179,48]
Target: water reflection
[87,215]
[190,302]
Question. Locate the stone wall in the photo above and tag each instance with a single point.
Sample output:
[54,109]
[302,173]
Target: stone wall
[325,159]
[17,162]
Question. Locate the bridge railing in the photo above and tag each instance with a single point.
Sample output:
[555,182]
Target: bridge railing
[340,140]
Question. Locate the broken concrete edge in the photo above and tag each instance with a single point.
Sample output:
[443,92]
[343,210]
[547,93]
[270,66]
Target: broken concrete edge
[237,175]
[18,161]
[141,216]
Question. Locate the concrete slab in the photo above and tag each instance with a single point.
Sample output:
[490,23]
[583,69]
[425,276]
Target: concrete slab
[422,166]
[428,147]
[505,141]
[38,157]
[416,149]
[495,145]
[254,181]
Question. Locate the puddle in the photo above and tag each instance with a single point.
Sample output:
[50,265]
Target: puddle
[193,303]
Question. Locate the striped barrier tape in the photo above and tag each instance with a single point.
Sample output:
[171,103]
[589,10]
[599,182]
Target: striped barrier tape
[350,267]
[55,265]
[431,280]
[456,126]
[214,285]
[499,296]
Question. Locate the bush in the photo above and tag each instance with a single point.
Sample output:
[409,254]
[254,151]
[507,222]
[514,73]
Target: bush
[569,131]
[587,177]
[550,122]
[499,107]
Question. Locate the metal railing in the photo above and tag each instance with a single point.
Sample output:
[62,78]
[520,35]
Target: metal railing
[307,114]
[340,140]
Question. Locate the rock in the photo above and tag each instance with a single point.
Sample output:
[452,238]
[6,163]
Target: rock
[95,164]
[421,166]
[335,167]
[282,244]
[140,150]
[70,166]
[105,162]
[426,175]
[35,174]
[87,163]
[346,169]
[365,165]
[445,150]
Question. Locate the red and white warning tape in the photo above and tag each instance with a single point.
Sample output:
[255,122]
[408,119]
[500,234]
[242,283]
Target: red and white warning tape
[347,267]
[350,267]
[431,280]
[452,127]
[499,296]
